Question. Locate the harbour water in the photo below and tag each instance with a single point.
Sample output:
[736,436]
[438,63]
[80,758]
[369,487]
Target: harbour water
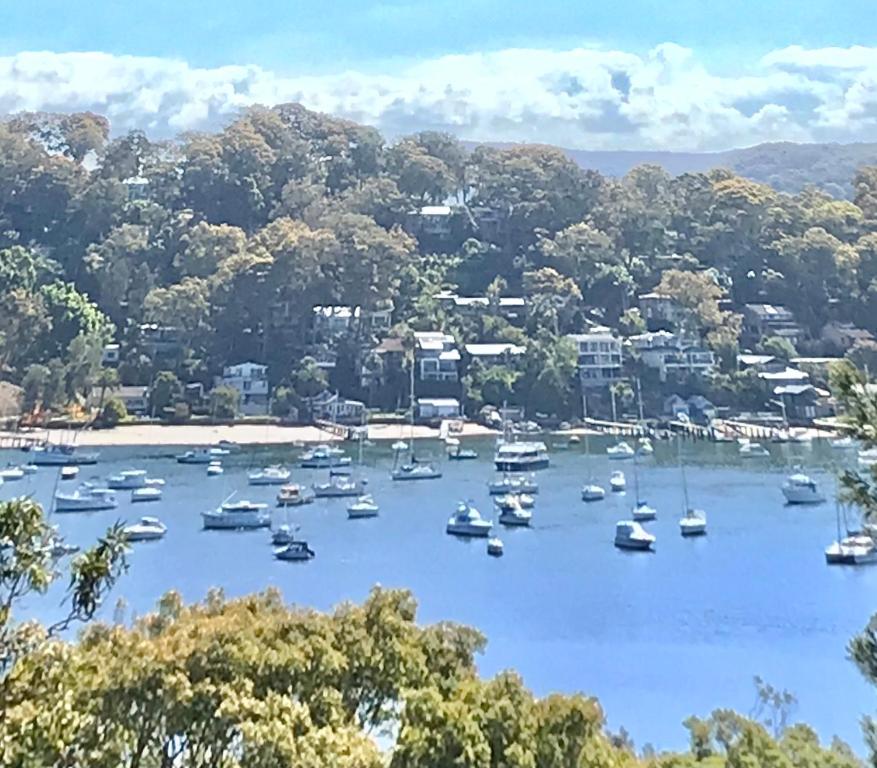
[656,637]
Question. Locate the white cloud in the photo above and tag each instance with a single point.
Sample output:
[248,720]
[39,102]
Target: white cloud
[580,98]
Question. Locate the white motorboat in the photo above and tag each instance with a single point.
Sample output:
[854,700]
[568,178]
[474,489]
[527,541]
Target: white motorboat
[285,534]
[629,534]
[750,450]
[617,481]
[644,447]
[274,475]
[495,547]
[324,457]
[845,443]
[521,456]
[295,551]
[127,480]
[293,495]
[416,471]
[802,489]
[29,469]
[147,493]
[86,498]
[856,549]
[620,451]
[148,529]
[11,473]
[467,521]
[457,452]
[214,468]
[339,486]
[867,457]
[513,484]
[693,523]
[523,499]
[69,472]
[61,455]
[201,455]
[513,514]
[364,506]
[237,515]
[593,492]
[229,446]
[642,512]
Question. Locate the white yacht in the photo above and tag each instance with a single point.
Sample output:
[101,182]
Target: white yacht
[513,484]
[644,447]
[631,535]
[617,481]
[643,512]
[86,498]
[214,468]
[147,493]
[364,506]
[620,451]
[693,523]
[285,534]
[237,515]
[513,514]
[339,486]
[416,471]
[856,549]
[201,455]
[69,472]
[324,457]
[274,475]
[148,529]
[293,495]
[802,489]
[11,473]
[467,521]
[750,450]
[495,547]
[593,492]
[127,480]
[60,455]
[524,499]
[521,456]
[295,551]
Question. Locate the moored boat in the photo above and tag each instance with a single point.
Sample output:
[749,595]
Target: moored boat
[51,455]
[295,551]
[617,481]
[86,498]
[513,484]
[147,493]
[620,451]
[293,495]
[629,534]
[148,529]
[513,514]
[201,455]
[339,486]
[363,507]
[324,457]
[274,475]
[467,521]
[237,515]
[802,489]
[495,547]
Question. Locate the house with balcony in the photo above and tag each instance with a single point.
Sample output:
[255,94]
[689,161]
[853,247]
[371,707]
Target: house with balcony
[433,409]
[250,380]
[599,357]
[437,357]
[672,355]
[512,308]
[802,403]
[661,312]
[761,321]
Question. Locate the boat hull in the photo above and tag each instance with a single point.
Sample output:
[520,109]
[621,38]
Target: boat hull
[511,465]
[83,505]
[635,545]
[232,522]
[802,496]
[466,530]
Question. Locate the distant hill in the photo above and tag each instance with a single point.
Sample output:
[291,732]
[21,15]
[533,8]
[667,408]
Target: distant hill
[786,166]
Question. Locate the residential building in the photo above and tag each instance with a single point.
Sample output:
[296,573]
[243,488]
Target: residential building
[786,376]
[137,188]
[701,410]
[672,355]
[251,382]
[437,356]
[330,406]
[331,321]
[661,312]
[676,407]
[512,308]
[135,399]
[375,368]
[494,354]
[599,357]
[439,225]
[802,403]
[842,336]
[160,342]
[110,356]
[438,408]
[761,321]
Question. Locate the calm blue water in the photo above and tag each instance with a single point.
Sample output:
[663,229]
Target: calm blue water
[656,637]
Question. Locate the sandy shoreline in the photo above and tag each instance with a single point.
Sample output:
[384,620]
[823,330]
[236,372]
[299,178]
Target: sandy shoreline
[245,434]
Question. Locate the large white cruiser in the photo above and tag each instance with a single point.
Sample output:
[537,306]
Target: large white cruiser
[237,515]
[60,455]
[521,456]
[87,498]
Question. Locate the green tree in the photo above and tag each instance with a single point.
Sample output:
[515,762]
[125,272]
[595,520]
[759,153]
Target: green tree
[309,379]
[165,390]
[224,402]
[114,412]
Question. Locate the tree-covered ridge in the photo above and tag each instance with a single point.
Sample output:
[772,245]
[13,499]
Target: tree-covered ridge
[232,238]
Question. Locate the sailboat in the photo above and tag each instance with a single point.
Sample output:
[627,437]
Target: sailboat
[591,491]
[414,469]
[641,511]
[693,521]
[856,548]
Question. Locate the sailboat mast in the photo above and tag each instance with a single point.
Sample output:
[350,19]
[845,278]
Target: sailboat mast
[636,476]
[587,434]
[639,401]
[682,471]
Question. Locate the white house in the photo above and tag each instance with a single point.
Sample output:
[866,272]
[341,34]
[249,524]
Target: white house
[330,406]
[494,354]
[251,382]
[437,356]
[599,356]
[434,408]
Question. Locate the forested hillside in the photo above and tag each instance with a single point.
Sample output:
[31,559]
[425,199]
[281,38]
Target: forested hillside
[232,238]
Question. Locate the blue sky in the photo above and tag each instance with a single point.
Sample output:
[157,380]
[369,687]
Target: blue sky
[633,74]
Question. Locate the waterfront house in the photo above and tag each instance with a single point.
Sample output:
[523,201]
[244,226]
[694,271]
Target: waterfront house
[437,356]
[675,407]
[330,406]
[431,409]
[701,410]
[762,321]
[134,398]
[251,382]
[802,403]
[599,356]
[783,377]
[494,354]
